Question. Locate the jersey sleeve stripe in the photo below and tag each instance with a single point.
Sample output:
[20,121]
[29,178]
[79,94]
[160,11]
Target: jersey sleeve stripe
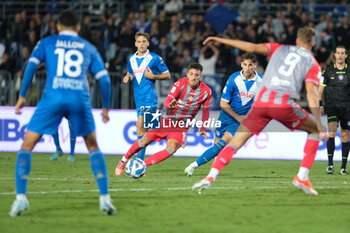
[268,49]
[171,96]
[101,73]
[311,81]
[322,84]
[167,71]
[34,60]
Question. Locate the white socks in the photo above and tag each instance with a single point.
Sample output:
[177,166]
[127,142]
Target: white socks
[213,173]
[194,164]
[124,160]
[303,173]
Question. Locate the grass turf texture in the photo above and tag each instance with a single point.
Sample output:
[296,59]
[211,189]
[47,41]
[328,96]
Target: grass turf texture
[248,196]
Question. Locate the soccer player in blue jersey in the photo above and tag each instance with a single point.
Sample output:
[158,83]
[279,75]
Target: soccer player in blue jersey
[67,59]
[236,100]
[59,151]
[144,68]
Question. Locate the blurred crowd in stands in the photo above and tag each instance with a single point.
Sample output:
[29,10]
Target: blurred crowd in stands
[177,29]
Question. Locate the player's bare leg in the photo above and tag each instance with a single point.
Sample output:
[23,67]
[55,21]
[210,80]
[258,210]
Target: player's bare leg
[99,169]
[302,179]
[171,147]
[23,167]
[140,133]
[224,157]
[136,147]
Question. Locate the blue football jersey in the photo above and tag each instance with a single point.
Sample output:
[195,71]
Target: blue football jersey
[144,90]
[67,58]
[239,93]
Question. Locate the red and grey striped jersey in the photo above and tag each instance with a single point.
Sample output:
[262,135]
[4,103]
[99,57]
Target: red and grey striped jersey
[189,100]
[288,68]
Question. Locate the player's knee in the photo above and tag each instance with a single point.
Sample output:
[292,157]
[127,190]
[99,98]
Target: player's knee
[344,136]
[332,134]
[172,147]
[313,136]
[27,146]
[171,151]
[90,141]
[144,141]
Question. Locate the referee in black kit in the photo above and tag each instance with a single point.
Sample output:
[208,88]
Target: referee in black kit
[336,82]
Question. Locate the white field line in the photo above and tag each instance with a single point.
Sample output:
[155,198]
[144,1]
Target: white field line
[154,180]
[171,189]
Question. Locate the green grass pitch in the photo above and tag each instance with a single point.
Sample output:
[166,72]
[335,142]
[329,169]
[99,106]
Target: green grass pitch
[248,196]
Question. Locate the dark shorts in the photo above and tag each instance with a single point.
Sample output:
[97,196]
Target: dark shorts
[338,114]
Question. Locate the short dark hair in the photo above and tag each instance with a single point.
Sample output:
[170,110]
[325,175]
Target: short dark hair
[249,56]
[195,66]
[68,18]
[341,47]
[146,35]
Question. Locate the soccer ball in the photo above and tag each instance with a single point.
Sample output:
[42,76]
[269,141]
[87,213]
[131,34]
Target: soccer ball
[135,168]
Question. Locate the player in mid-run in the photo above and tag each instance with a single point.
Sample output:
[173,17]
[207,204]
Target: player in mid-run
[144,68]
[67,59]
[288,68]
[336,80]
[59,151]
[185,99]
[236,100]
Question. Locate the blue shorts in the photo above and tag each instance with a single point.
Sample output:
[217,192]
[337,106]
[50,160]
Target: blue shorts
[49,114]
[143,108]
[227,126]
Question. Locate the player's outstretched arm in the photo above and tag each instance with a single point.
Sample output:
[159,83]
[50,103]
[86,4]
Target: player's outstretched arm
[239,44]
[312,99]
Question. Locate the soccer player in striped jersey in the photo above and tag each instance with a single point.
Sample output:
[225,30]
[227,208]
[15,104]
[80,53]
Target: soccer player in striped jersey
[144,68]
[236,100]
[288,68]
[67,59]
[185,99]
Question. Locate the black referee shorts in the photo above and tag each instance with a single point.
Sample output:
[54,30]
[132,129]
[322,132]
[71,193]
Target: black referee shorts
[339,114]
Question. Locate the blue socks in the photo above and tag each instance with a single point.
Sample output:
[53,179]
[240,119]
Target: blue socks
[73,138]
[211,152]
[98,167]
[23,166]
[57,141]
[141,154]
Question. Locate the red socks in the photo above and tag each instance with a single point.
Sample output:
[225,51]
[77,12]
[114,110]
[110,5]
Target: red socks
[310,150]
[223,158]
[133,150]
[157,157]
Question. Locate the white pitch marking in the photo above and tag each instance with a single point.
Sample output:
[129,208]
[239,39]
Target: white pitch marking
[166,189]
[52,179]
